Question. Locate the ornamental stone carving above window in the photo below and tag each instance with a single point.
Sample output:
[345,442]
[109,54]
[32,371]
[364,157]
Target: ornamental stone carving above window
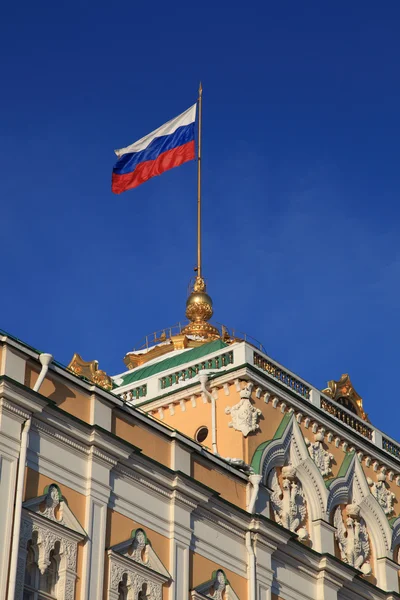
[216,588]
[135,571]
[49,537]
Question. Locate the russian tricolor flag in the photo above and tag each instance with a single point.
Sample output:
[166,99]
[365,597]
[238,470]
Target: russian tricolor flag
[167,147]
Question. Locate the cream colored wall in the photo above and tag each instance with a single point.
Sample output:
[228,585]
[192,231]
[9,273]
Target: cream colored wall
[228,487]
[189,420]
[67,396]
[149,441]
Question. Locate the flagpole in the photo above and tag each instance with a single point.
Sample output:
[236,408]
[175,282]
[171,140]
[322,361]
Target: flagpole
[200,102]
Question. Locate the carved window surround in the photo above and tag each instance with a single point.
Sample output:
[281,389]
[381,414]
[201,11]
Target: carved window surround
[135,564]
[48,534]
[136,575]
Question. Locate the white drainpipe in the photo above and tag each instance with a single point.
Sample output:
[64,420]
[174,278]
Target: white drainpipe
[255,481]
[203,378]
[45,359]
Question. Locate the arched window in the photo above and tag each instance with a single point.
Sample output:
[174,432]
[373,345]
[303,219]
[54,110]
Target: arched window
[37,585]
[123,588]
[143,593]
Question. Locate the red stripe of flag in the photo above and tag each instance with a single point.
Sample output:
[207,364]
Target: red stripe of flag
[151,168]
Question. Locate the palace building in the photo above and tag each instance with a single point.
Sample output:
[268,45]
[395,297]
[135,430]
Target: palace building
[204,470]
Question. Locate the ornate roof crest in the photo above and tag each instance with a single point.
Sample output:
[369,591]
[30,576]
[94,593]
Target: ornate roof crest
[343,392]
[90,370]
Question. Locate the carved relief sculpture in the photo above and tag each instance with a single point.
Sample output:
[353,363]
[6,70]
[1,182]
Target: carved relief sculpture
[219,585]
[139,547]
[289,503]
[352,538]
[381,492]
[321,457]
[52,502]
[244,415]
[216,588]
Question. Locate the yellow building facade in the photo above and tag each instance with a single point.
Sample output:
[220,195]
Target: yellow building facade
[204,470]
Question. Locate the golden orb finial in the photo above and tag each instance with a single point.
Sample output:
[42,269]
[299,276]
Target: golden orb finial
[199,310]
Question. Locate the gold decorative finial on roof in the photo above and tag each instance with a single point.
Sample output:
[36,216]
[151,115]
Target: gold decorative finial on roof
[199,310]
[343,392]
[90,370]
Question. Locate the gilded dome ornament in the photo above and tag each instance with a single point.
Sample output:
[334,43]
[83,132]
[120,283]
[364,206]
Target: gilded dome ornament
[199,310]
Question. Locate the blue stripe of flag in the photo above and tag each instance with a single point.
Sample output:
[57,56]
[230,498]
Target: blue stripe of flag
[128,162]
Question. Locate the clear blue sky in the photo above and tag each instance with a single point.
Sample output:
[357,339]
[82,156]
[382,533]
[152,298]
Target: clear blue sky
[301,180]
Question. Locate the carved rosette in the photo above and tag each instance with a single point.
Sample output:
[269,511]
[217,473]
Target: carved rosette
[382,494]
[322,458]
[244,415]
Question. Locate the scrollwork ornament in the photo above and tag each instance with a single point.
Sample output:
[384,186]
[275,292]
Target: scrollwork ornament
[353,538]
[155,591]
[320,456]
[25,533]
[70,551]
[19,583]
[69,589]
[46,542]
[382,494]
[289,503]
[116,575]
[244,415]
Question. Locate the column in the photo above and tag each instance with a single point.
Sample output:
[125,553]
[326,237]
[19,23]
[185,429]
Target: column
[180,539]
[264,572]
[97,498]
[11,419]
[323,536]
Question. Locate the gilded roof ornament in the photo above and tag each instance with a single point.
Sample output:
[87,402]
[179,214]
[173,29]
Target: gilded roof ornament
[343,392]
[199,310]
[90,371]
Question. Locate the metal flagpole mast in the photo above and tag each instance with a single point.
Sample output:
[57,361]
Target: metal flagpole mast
[200,100]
